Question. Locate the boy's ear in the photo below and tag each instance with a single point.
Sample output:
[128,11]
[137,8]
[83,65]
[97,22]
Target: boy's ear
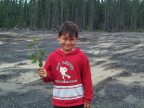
[58,36]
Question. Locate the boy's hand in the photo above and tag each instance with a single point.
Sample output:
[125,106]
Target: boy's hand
[87,105]
[42,72]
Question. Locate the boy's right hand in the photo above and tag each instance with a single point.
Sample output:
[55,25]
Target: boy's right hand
[42,72]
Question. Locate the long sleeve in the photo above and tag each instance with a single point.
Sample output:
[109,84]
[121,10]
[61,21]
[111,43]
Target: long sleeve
[47,66]
[86,80]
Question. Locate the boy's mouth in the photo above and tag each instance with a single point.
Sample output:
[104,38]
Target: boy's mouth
[67,45]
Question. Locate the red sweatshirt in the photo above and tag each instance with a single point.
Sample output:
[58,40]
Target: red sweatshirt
[71,76]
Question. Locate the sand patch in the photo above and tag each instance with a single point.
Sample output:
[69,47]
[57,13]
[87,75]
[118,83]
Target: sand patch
[100,73]
[8,87]
[101,58]
[105,45]
[25,78]
[27,65]
[133,48]
[2,42]
[135,78]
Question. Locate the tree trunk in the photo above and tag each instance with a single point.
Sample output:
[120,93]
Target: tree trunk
[48,14]
[54,14]
[26,14]
[35,14]
[72,11]
[77,15]
[117,15]
[67,10]
[11,13]
[131,25]
[105,16]
[135,14]
[91,15]
[61,11]
[81,14]
[21,13]
[84,7]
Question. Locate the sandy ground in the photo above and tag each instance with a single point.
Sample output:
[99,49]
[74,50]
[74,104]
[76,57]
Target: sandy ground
[116,61]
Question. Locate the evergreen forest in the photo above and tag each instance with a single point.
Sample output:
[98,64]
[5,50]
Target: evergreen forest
[89,15]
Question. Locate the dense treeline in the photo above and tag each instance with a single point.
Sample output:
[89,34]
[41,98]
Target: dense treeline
[107,15]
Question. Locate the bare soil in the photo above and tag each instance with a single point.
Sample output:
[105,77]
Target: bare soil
[116,61]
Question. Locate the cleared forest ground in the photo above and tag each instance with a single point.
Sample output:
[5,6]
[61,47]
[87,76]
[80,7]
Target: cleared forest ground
[116,61]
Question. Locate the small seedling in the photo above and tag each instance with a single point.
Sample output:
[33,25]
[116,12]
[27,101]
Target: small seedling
[36,56]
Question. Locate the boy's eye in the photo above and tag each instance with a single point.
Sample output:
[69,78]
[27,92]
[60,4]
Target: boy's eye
[72,39]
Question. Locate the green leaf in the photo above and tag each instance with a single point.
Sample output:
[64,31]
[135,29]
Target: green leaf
[40,62]
[40,51]
[40,65]
[34,61]
[34,40]
[37,58]
[30,45]
[32,57]
[36,46]
[30,53]
[40,59]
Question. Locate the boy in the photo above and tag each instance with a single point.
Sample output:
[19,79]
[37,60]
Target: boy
[69,70]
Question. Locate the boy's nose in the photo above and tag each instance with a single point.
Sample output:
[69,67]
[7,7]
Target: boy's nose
[68,42]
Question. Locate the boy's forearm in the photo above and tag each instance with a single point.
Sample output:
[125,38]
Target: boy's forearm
[87,82]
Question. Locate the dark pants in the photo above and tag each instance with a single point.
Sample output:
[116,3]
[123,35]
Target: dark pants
[79,106]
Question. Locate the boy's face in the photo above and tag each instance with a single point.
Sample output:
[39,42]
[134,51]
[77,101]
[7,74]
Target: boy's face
[67,42]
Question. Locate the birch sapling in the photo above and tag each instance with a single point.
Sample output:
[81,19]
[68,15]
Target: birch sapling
[36,54]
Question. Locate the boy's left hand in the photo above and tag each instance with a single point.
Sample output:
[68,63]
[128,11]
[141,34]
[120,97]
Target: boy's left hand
[87,105]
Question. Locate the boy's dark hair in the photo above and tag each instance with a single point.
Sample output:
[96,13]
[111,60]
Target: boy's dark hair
[68,27]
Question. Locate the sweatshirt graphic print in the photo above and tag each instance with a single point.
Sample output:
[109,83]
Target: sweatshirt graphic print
[71,76]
